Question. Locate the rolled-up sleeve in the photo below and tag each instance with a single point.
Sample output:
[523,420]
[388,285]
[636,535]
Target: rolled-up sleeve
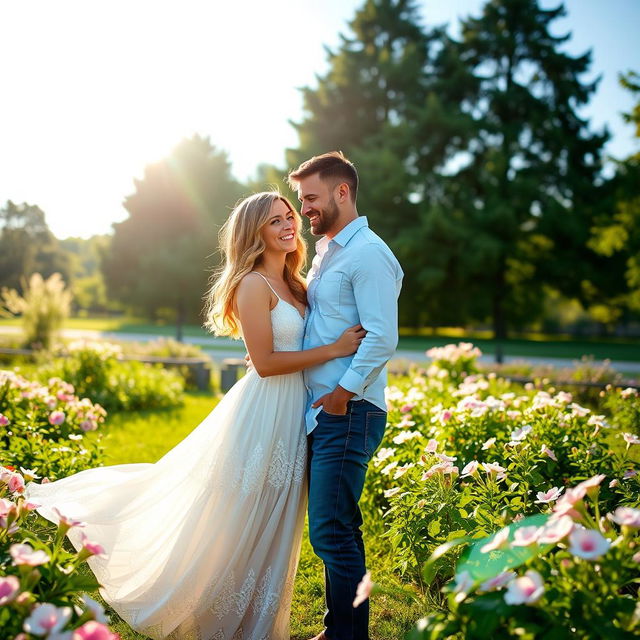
[376,281]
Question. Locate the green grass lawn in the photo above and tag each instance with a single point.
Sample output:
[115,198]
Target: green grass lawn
[145,436]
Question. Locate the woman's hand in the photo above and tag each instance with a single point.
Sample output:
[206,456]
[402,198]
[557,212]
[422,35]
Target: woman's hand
[349,341]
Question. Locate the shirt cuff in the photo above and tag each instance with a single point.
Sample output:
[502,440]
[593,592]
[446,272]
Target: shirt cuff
[352,381]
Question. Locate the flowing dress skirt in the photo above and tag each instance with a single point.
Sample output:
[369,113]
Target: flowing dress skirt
[203,544]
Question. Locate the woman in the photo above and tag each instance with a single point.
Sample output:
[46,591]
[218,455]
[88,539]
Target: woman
[204,543]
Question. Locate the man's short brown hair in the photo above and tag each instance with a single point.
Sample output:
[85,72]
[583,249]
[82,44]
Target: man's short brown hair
[333,166]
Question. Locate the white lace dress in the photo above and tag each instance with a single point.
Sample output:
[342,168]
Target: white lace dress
[204,544]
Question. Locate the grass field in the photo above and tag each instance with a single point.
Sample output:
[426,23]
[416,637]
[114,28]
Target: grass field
[145,436]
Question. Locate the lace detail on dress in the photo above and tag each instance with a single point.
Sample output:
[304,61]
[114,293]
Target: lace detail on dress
[225,599]
[243,598]
[300,463]
[266,601]
[279,467]
[252,472]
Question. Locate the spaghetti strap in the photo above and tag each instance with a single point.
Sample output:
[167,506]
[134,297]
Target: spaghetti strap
[270,287]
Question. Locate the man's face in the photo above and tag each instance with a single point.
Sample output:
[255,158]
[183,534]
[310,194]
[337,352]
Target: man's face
[318,204]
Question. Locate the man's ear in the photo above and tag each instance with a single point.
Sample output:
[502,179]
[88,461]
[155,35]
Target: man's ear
[343,192]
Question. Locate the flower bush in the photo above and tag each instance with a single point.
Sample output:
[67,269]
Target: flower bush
[568,574]
[94,370]
[466,454]
[42,427]
[40,586]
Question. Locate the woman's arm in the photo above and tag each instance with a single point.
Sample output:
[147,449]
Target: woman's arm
[253,303]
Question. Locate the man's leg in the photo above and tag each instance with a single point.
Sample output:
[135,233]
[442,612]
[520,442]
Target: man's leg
[341,448]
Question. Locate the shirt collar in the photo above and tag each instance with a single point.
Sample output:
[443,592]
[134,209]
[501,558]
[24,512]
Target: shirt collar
[343,237]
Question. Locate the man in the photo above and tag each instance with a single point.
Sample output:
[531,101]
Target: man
[354,279]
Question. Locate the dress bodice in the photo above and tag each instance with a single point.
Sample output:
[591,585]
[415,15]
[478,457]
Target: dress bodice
[288,327]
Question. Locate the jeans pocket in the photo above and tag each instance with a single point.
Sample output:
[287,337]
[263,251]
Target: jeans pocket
[374,426]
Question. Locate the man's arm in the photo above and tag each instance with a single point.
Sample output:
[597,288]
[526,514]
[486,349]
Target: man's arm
[375,289]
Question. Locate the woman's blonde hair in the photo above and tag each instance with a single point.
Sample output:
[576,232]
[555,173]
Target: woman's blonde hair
[242,247]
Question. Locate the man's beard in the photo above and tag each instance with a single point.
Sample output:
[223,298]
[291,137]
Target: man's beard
[326,219]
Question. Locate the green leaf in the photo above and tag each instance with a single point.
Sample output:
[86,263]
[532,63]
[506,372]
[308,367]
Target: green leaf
[482,566]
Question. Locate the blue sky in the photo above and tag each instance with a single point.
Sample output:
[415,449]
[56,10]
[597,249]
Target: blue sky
[96,90]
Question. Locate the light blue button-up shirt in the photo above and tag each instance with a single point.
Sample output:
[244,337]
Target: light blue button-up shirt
[354,278]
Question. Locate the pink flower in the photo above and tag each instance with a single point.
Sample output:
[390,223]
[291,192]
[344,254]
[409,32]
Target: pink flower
[525,536]
[7,507]
[492,468]
[93,548]
[407,408]
[636,557]
[24,554]
[56,418]
[443,457]
[614,483]
[501,580]
[548,452]
[629,392]
[588,543]
[463,582]
[65,521]
[88,425]
[364,589]
[591,483]
[499,541]
[545,497]
[626,516]
[631,473]
[16,483]
[445,416]
[488,444]
[577,410]
[9,588]
[391,492]
[630,439]
[95,608]
[46,619]
[93,630]
[4,421]
[470,468]
[555,530]
[526,589]
[432,446]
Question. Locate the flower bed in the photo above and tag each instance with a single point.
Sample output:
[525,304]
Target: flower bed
[42,427]
[40,587]
[467,455]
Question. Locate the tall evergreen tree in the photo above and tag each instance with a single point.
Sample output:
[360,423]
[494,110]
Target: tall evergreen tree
[160,256]
[528,171]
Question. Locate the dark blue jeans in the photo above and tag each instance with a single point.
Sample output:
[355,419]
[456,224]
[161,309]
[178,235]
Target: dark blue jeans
[340,448]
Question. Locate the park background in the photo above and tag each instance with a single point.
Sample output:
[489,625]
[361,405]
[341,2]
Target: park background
[498,149]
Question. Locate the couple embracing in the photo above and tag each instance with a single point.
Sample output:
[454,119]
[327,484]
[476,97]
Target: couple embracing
[204,544]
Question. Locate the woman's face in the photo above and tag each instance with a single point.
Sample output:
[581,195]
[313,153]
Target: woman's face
[280,234]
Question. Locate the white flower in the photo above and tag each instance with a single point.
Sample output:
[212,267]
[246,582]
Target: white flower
[626,516]
[524,536]
[526,589]
[501,580]
[552,494]
[588,543]
[499,541]
[46,619]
